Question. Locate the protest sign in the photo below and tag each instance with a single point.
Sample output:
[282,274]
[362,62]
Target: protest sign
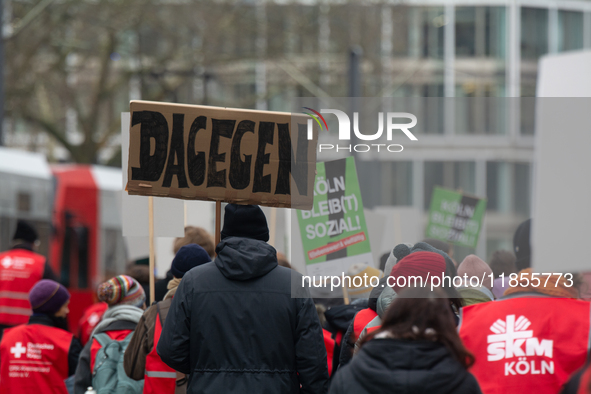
[455,217]
[334,233]
[221,154]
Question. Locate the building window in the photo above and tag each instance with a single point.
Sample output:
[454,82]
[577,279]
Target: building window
[480,32]
[570,30]
[458,175]
[24,202]
[534,32]
[425,36]
[508,187]
[385,182]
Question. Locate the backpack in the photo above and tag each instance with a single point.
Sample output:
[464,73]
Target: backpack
[108,376]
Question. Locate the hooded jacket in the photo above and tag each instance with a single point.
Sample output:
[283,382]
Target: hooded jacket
[234,327]
[405,367]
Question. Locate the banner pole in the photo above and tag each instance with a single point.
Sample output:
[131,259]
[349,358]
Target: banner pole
[218,222]
[345,295]
[273,226]
[151,241]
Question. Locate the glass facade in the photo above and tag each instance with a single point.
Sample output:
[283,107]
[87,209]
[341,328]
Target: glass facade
[481,53]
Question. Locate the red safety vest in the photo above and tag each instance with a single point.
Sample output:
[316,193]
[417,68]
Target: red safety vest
[34,359]
[330,344]
[89,320]
[362,319]
[159,377]
[20,269]
[526,345]
[95,346]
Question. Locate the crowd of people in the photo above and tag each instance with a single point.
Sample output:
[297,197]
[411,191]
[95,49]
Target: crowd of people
[228,319]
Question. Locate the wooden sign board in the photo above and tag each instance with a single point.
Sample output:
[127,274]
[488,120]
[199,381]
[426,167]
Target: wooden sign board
[221,154]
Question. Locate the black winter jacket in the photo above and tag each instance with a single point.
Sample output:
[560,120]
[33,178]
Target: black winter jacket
[405,367]
[234,327]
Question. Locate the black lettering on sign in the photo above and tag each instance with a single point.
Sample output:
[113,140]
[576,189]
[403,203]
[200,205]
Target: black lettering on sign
[220,128]
[263,183]
[153,126]
[240,170]
[296,164]
[177,149]
[196,161]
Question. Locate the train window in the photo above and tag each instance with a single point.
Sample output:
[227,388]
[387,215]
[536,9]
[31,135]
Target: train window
[67,246]
[24,202]
[82,241]
[75,254]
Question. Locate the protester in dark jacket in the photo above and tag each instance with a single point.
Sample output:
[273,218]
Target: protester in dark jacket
[144,337]
[417,350]
[233,324]
[193,235]
[126,298]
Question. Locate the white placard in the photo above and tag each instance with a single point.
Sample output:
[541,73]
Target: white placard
[168,213]
[562,185]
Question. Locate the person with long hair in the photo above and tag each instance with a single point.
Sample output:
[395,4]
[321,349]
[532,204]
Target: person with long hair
[417,350]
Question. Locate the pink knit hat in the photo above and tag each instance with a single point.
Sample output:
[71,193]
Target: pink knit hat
[474,266]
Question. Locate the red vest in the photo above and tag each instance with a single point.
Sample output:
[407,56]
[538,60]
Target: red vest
[159,377]
[20,269]
[34,359]
[362,319]
[92,316]
[330,344]
[526,345]
[116,335]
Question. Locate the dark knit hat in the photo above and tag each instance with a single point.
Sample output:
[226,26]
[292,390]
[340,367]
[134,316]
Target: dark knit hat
[247,221]
[522,245]
[48,296]
[189,256]
[420,264]
[25,232]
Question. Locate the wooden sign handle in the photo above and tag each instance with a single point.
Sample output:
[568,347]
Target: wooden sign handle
[273,227]
[345,295]
[218,222]
[151,242]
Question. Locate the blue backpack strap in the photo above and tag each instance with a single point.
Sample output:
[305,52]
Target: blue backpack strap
[103,339]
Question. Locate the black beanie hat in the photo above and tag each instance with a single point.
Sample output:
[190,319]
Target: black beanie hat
[522,245]
[247,221]
[189,256]
[25,232]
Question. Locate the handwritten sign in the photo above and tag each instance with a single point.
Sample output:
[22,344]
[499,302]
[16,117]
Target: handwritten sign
[221,154]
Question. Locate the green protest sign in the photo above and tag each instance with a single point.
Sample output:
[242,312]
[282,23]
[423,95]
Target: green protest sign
[455,217]
[334,232]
